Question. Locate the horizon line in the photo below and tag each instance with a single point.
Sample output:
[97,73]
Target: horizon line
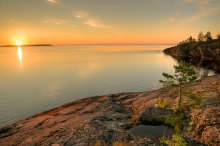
[40,44]
[118,44]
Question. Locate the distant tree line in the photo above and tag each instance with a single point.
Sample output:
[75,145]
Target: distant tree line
[202,39]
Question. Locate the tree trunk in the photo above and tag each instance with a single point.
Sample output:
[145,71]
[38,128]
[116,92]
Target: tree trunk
[180,97]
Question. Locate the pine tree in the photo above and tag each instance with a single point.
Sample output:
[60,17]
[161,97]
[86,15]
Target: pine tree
[184,73]
[208,37]
[200,37]
[218,37]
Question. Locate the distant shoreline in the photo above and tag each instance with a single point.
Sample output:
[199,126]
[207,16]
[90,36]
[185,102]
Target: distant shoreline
[32,45]
[108,44]
[85,45]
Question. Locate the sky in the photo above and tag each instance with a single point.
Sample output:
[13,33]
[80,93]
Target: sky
[65,22]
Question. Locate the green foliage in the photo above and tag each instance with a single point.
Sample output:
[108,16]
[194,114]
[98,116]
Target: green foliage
[175,120]
[119,143]
[169,82]
[191,39]
[196,99]
[191,43]
[134,119]
[116,143]
[218,36]
[163,103]
[201,37]
[208,37]
[185,48]
[188,41]
[218,39]
[176,140]
[99,143]
[188,44]
[184,73]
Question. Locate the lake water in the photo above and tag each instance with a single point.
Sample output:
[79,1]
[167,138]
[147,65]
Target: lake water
[35,79]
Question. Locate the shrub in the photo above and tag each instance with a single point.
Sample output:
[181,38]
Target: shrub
[184,49]
[175,120]
[119,143]
[176,140]
[163,103]
[195,99]
[218,36]
[98,143]
[134,119]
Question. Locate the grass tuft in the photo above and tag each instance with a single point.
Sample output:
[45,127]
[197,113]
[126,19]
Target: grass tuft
[163,103]
[119,143]
[176,140]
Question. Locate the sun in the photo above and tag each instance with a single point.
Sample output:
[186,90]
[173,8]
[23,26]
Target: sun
[18,40]
[19,43]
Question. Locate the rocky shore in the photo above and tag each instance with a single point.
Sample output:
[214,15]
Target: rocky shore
[107,120]
[203,55]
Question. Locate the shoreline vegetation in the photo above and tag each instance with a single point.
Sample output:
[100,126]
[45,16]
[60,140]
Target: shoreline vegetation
[189,106]
[203,51]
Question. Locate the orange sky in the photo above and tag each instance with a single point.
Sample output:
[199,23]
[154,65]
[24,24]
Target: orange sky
[61,22]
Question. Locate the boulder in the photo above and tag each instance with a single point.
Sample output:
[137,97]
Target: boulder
[154,115]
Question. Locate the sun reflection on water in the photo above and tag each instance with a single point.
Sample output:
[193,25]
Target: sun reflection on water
[20,56]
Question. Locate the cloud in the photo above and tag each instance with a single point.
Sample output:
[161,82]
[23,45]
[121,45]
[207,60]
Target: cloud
[55,21]
[86,17]
[95,23]
[91,22]
[11,20]
[200,14]
[45,21]
[81,14]
[172,19]
[200,3]
[53,1]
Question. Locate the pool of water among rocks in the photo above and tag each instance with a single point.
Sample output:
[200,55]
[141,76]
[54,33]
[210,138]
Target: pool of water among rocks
[152,131]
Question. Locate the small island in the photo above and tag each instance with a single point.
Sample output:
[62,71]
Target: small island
[30,45]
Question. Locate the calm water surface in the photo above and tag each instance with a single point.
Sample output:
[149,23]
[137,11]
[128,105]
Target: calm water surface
[35,79]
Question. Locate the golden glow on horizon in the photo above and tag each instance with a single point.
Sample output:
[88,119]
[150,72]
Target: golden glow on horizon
[60,22]
[18,39]
[19,43]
